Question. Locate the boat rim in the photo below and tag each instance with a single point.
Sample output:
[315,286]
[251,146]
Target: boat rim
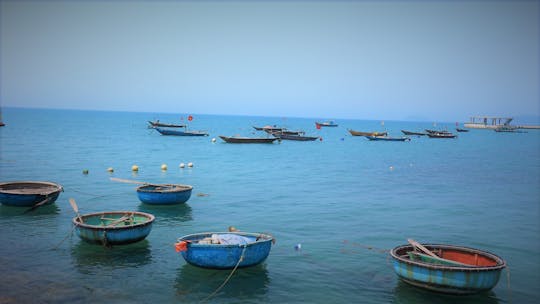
[57,186]
[183,188]
[501,263]
[149,216]
[265,236]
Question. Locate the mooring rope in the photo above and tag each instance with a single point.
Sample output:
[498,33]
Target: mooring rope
[229,277]
[69,234]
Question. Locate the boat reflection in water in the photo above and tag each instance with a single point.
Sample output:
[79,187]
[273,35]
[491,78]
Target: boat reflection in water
[406,293]
[194,284]
[166,214]
[91,259]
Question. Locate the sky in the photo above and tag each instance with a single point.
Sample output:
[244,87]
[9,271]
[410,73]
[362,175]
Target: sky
[389,60]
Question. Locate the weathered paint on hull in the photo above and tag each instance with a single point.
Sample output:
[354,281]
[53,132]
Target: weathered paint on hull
[148,196]
[448,279]
[227,256]
[29,193]
[26,200]
[93,231]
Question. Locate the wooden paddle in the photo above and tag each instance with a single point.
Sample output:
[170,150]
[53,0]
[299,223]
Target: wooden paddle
[75,208]
[41,203]
[422,248]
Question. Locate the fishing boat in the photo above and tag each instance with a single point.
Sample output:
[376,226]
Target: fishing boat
[286,131]
[296,137]
[166,125]
[113,227]
[358,133]
[413,133]
[441,135]
[180,133]
[269,128]
[510,129]
[437,131]
[462,130]
[388,138]
[225,250]
[248,140]
[164,194]
[329,123]
[447,268]
[29,193]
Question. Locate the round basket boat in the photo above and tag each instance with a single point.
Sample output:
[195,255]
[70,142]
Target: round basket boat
[113,227]
[455,270]
[232,249]
[29,193]
[164,194]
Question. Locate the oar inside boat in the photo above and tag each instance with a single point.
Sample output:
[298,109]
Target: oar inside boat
[76,209]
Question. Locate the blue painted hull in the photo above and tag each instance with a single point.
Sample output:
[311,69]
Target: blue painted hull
[28,193]
[181,133]
[445,278]
[226,256]
[164,194]
[99,227]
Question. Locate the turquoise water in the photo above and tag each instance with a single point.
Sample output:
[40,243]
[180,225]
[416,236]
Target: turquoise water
[346,200]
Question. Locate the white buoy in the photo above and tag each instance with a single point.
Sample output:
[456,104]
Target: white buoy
[164,167]
[298,246]
[391,168]
[110,170]
[134,168]
[214,139]
[190,165]
[182,165]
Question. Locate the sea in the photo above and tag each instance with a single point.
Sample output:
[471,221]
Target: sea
[335,206]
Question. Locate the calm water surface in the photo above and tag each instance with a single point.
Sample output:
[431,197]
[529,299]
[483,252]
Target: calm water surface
[346,200]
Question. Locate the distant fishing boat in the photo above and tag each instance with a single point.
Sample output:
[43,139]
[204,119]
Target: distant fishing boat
[165,194]
[297,137]
[510,129]
[286,132]
[388,138]
[462,130]
[225,250]
[269,128]
[248,140]
[329,123]
[441,135]
[447,268]
[113,227]
[437,131]
[358,133]
[413,133]
[180,133]
[29,193]
[167,125]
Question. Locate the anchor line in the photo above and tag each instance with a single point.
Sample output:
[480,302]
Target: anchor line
[229,277]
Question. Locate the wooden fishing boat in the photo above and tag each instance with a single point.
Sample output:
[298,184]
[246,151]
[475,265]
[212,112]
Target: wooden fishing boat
[167,125]
[358,133]
[441,135]
[437,131]
[453,269]
[413,133]
[269,128]
[165,194]
[297,137]
[329,123]
[286,131]
[248,140]
[29,193]
[388,138]
[510,129]
[180,133]
[225,250]
[462,130]
[113,227]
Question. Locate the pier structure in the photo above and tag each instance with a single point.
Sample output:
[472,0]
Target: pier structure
[492,122]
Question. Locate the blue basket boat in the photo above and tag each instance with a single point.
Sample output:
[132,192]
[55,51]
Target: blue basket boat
[164,194]
[235,249]
[29,193]
[113,227]
[454,270]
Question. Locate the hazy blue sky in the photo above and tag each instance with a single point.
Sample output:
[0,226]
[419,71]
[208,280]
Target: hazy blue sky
[393,60]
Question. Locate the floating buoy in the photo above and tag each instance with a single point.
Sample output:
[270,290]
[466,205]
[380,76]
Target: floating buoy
[297,246]
[190,165]
[134,168]
[182,165]
[85,171]
[164,167]
[391,168]
[320,138]
[233,229]
[110,170]
[214,139]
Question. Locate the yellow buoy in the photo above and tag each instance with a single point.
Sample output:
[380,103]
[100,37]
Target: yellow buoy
[182,165]
[164,167]
[110,170]
[134,168]
[190,165]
